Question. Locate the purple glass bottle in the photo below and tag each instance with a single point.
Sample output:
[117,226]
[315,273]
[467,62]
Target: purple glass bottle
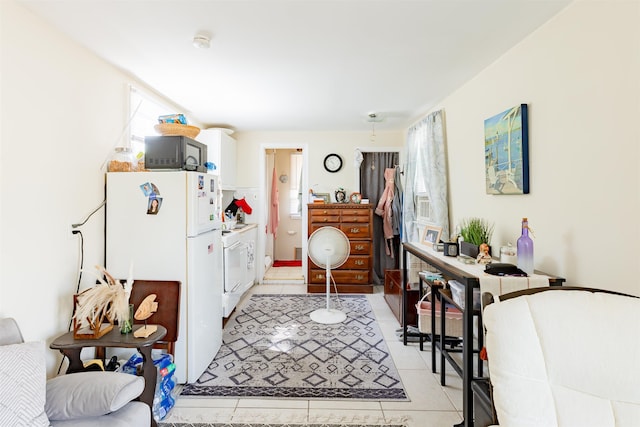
[525,249]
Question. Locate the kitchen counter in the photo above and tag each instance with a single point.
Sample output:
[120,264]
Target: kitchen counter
[229,237]
[241,228]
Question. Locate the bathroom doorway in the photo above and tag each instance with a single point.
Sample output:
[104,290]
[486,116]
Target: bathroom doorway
[285,181]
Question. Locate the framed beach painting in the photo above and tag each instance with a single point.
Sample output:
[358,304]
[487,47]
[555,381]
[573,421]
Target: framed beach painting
[506,152]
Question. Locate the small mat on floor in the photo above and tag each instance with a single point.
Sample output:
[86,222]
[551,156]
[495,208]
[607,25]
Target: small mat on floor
[288,263]
[272,349]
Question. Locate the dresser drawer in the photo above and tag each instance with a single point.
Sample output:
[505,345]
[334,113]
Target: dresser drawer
[314,226]
[355,212]
[355,218]
[356,262]
[323,212]
[352,263]
[360,248]
[319,219]
[340,276]
[356,231]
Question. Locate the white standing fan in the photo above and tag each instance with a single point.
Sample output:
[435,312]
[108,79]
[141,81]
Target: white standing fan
[328,248]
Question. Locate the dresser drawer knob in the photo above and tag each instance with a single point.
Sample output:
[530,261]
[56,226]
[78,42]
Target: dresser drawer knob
[359,262]
[355,230]
[359,277]
[359,247]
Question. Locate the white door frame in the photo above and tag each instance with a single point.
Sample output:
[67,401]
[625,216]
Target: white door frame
[356,171]
[265,195]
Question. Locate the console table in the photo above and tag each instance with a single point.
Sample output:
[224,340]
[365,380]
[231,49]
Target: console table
[451,268]
[71,348]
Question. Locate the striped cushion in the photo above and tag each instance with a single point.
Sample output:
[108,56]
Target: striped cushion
[23,385]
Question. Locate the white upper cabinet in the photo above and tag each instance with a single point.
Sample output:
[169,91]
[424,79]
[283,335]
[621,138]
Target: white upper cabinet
[221,151]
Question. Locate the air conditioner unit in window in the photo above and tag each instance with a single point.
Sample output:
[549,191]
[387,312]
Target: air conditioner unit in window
[423,210]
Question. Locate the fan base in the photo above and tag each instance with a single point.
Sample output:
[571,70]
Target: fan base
[328,316]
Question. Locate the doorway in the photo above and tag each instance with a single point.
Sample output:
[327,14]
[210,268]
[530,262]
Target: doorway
[377,170]
[284,172]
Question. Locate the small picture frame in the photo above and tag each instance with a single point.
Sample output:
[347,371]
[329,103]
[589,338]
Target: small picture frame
[324,196]
[431,235]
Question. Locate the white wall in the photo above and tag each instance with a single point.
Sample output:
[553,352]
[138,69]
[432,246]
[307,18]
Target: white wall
[580,76]
[63,110]
[320,144]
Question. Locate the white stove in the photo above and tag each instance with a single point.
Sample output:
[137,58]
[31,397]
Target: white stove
[239,264]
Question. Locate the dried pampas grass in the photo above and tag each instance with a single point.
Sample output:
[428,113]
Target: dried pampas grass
[109,298]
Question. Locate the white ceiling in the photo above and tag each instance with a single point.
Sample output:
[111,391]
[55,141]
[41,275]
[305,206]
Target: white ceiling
[301,65]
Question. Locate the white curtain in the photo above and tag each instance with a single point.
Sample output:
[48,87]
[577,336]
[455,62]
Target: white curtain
[426,171]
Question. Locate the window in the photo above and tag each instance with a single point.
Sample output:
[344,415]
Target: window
[144,111]
[295,187]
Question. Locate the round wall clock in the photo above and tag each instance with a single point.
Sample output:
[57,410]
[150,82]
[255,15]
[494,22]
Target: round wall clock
[333,163]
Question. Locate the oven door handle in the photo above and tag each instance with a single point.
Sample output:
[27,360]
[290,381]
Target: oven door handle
[235,245]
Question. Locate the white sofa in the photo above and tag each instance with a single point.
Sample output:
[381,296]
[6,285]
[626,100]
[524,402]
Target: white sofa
[565,358]
[85,399]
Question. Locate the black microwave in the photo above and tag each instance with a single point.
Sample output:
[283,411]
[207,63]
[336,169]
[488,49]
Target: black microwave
[174,152]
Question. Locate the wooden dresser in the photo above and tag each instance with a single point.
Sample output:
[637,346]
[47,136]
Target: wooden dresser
[356,221]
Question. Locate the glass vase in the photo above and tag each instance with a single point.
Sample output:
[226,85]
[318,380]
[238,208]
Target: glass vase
[126,325]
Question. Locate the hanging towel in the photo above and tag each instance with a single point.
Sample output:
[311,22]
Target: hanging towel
[250,254]
[242,203]
[274,205]
[384,209]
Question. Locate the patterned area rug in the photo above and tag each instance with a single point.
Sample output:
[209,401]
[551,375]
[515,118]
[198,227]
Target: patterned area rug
[272,348]
[274,425]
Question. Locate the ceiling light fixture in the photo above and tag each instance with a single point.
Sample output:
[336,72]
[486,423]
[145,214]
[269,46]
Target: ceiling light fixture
[201,41]
[373,118]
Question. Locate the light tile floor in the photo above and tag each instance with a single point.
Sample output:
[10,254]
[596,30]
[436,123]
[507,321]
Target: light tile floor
[430,405]
[283,275]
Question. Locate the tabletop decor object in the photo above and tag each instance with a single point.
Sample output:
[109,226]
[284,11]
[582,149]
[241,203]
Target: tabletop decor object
[147,307]
[177,129]
[431,235]
[474,232]
[98,308]
[340,195]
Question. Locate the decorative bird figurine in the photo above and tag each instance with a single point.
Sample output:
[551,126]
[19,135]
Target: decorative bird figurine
[147,307]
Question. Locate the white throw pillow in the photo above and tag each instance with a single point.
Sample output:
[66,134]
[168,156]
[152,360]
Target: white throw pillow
[90,394]
[23,377]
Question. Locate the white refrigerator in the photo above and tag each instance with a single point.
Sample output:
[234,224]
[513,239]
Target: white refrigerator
[166,226]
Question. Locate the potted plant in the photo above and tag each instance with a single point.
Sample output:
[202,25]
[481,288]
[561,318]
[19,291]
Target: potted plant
[474,232]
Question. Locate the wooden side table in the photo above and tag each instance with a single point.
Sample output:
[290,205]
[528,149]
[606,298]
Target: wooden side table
[393,295]
[72,347]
